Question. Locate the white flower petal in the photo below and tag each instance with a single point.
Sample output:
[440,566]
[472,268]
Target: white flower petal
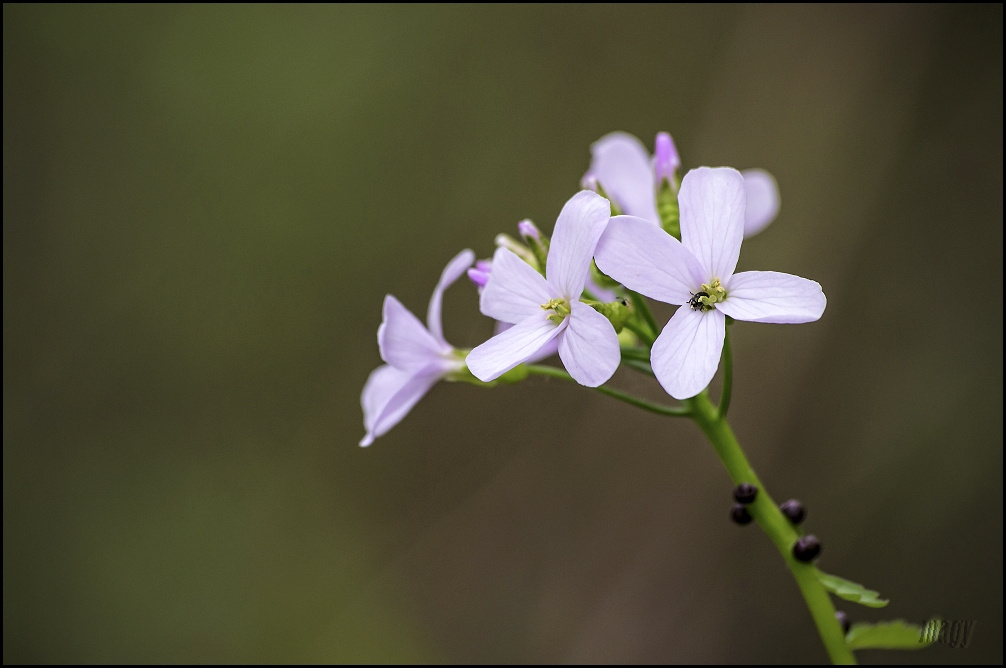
[403,340]
[685,355]
[547,350]
[507,349]
[390,394]
[645,258]
[451,273]
[580,224]
[762,200]
[589,346]
[515,291]
[711,202]
[771,296]
[621,164]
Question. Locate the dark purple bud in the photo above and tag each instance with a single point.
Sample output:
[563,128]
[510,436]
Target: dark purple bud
[739,514]
[807,548]
[793,510]
[843,620]
[745,492]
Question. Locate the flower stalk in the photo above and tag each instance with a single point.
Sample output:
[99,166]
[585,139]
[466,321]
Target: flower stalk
[712,421]
[783,534]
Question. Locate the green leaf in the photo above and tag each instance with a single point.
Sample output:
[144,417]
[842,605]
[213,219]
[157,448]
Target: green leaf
[851,591]
[898,634]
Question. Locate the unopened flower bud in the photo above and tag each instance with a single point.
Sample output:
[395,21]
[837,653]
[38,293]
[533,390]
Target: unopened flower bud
[479,278]
[843,620]
[745,493]
[739,514]
[665,179]
[518,249]
[807,548]
[535,240]
[665,160]
[618,312]
[589,182]
[528,230]
[793,510]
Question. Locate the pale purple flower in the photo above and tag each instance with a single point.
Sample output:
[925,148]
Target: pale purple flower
[623,167]
[479,275]
[698,274]
[545,308]
[417,357]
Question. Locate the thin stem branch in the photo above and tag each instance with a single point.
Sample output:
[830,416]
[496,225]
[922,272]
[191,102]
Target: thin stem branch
[660,409]
[765,511]
[641,331]
[635,353]
[643,309]
[728,376]
[640,366]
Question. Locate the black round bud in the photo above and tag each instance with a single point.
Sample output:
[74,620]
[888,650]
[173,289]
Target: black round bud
[807,548]
[793,510]
[739,514]
[843,620]
[745,492]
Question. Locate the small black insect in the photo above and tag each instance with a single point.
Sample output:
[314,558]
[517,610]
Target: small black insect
[695,302]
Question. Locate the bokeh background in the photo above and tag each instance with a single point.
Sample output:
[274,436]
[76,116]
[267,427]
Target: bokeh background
[205,206]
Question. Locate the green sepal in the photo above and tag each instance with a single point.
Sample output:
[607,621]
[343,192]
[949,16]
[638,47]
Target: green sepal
[615,211]
[539,248]
[617,312]
[667,208]
[897,634]
[522,251]
[850,591]
[602,278]
[464,375]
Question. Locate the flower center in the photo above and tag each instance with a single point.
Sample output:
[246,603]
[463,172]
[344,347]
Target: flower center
[559,308]
[711,293]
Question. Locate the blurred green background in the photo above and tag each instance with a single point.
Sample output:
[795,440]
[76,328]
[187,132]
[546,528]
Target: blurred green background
[205,206]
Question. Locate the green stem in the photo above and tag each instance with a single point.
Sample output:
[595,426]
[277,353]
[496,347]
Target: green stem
[765,511]
[642,332]
[728,375]
[641,307]
[640,366]
[660,409]
[635,353]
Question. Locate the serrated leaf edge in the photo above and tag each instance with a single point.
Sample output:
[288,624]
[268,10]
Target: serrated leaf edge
[851,591]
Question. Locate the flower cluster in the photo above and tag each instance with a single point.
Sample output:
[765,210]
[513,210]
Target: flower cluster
[648,234]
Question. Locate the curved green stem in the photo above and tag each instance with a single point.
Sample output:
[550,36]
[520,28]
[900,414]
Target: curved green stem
[728,375]
[765,511]
[643,309]
[660,409]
